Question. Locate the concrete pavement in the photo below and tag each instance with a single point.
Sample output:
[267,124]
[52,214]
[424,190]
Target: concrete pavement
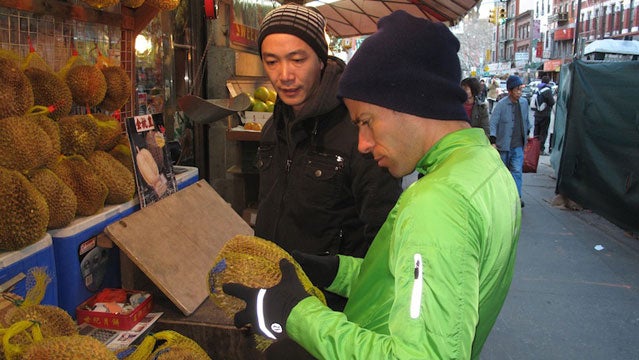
[575,292]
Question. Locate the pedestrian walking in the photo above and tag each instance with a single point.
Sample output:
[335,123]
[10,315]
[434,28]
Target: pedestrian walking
[509,129]
[542,104]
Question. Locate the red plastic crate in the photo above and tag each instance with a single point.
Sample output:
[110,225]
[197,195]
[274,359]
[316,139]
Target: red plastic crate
[111,320]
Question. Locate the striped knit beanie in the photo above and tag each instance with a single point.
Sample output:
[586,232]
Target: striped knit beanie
[305,23]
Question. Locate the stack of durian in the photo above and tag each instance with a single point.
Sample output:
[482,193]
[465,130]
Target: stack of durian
[32,331]
[54,165]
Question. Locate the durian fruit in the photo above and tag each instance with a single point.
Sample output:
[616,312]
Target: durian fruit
[78,134]
[116,177]
[253,262]
[168,345]
[24,145]
[51,91]
[16,95]
[122,153]
[10,55]
[73,60]
[133,4]
[89,189]
[34,60]
[118,88]
[87,84]
[53,320]
[164,5]
[51,128]
[100,4]
[24,210]
[109,131]
[61,200]
[69,348]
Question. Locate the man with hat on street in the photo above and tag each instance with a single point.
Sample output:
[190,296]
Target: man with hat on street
[509,128]
[437,274]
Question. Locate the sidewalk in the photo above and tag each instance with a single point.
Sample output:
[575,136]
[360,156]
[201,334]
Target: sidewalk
[575,290]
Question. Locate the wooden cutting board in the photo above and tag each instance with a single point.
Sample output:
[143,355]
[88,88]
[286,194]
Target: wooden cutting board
[174,241]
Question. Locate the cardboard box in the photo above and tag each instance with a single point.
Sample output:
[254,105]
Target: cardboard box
[111,320]
[15,267]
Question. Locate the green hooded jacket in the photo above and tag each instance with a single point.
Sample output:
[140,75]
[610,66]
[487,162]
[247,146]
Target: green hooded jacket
[437,274]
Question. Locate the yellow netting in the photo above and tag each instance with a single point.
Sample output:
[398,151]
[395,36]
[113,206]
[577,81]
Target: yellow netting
[36,284]
[34,60]
[168,344]
[253,262]
[74,60]
[29,329]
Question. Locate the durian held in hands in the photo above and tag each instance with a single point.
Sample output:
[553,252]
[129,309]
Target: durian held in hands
[253,262]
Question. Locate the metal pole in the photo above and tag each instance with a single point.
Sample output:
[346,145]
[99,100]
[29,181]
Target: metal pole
[575,42]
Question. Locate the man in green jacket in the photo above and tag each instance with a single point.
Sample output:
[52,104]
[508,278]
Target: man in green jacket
[438,271]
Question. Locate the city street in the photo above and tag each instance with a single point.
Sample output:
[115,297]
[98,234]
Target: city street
[575,293]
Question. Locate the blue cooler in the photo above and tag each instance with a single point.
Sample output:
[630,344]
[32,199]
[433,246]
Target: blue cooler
[83,266]
[185,176]
[15,267]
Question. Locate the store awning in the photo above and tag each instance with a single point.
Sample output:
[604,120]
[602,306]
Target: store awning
[349,18]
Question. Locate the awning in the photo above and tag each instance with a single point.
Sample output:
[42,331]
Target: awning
[348,18]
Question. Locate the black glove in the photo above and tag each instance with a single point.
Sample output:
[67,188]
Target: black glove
[268,309]
[320,269]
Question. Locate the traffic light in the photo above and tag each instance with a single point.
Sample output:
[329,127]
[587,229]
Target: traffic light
[502,15]
[492,17]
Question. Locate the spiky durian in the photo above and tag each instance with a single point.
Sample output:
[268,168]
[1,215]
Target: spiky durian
[16,95]
[89,189]
[78,134]
[87,84]
[24,145]
[133,4]
[164,5]
[109,131]
[51,91]
[53,320]
[118,90]
[25,211]
[69,347]
[253,262]
[116,177]
[60,198]
[51,128]
[122,153]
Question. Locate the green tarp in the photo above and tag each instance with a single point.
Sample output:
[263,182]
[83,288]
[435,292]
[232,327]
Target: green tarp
[596,139]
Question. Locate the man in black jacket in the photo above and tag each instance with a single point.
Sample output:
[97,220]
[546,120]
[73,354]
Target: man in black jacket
[542,117]
[318,194]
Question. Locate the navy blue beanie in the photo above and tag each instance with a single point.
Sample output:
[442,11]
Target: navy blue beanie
[409,65]
[513,82]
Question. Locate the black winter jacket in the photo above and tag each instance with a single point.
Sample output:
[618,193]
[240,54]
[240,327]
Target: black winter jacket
[317,193]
